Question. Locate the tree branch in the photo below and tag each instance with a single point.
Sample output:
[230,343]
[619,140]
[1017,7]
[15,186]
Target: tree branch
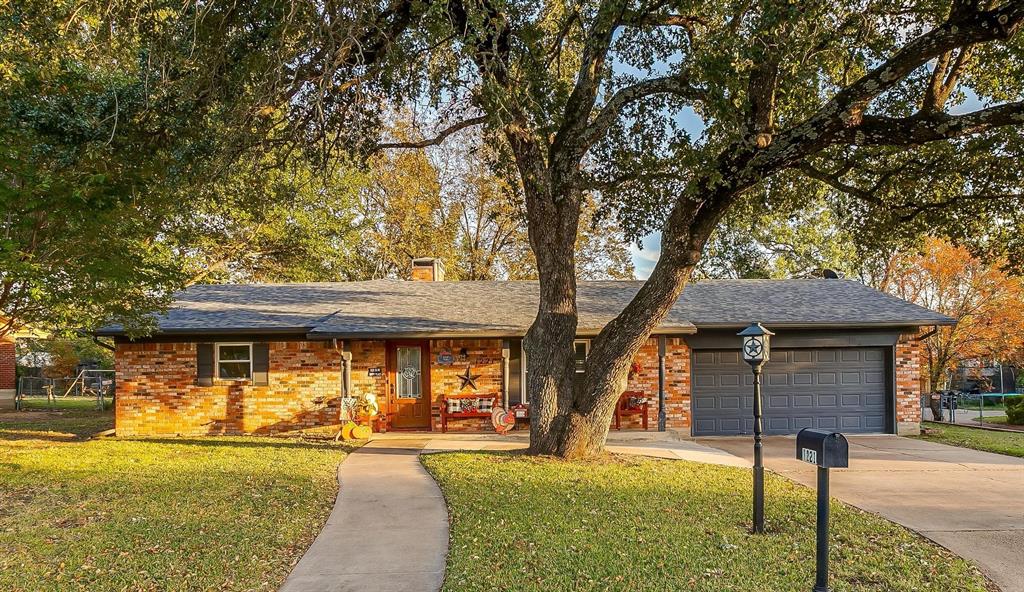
[439,138]
[930,127]
[676,85]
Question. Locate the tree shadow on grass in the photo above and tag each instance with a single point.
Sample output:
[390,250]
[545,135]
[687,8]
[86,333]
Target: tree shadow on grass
[244,442]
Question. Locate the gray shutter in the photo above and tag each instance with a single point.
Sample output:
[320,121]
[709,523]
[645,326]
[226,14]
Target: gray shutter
[515,372]
[261,364]
[204,364]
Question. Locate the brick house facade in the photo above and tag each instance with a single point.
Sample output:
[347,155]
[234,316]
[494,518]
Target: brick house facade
[158,395]
[294,355]
[158,392]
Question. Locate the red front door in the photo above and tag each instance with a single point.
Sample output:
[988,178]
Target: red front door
[409,376]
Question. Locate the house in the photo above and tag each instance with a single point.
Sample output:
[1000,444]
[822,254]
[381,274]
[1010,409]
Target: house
[9,362]
[276,357]
[8,372]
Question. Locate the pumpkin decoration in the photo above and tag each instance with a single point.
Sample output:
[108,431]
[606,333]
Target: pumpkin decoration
[361,432]
[503,421]
[346,430]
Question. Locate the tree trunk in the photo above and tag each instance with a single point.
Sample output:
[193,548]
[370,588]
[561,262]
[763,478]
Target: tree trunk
[582,423]
[549,341]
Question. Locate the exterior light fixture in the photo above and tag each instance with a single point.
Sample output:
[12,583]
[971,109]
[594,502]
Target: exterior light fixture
[756,349]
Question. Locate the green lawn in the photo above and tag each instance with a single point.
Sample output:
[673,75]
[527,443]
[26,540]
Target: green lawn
[994,419]
[623,523]
[1011,443]
[189,514]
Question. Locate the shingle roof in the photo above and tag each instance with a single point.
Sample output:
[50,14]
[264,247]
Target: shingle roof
[396,308]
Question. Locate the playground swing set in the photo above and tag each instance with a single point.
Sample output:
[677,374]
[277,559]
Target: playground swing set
[90,384]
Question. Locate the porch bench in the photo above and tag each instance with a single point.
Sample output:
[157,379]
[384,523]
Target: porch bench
[465,411]
[627,405]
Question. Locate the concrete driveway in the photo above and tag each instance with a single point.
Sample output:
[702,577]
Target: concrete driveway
[967,501]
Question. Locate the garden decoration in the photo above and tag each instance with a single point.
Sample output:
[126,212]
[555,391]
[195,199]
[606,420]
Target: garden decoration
[468,379]
[368,407]
[362,432]
[503,421]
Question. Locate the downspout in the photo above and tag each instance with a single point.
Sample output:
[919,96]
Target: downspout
[505,355]
[661,382]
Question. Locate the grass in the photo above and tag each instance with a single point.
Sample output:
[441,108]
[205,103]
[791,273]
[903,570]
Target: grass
[623,523]
[170,515]
[994,419]
[1010,443]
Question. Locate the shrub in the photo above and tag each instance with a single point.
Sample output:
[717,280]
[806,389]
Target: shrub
[1015,410]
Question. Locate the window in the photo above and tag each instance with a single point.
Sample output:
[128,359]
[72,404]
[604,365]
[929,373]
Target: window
[581,348]
[234,360]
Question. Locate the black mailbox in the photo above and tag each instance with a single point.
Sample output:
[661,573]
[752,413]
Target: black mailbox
[826,449]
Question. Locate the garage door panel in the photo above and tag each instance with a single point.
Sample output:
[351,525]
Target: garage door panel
[851,400]
[832,388]
[730,403]
[827,422]
[851,377]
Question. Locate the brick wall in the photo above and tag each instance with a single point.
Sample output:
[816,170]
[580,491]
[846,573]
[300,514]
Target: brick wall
[483,356]
[7,374]
[7,365]
[367,355]
[157,392]
[677,385]
[908,369]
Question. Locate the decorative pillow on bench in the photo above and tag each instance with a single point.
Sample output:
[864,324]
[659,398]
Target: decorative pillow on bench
[636,402]
[455,406]
[484,404]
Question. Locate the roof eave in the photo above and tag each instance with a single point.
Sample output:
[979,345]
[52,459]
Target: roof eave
[828,325]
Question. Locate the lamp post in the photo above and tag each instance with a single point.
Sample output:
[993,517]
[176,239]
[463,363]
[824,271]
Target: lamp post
[756,351]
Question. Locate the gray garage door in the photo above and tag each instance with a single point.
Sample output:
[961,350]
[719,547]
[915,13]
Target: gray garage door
[841,389]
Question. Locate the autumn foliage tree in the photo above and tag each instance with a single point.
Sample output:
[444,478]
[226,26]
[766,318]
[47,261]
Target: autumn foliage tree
[986,302]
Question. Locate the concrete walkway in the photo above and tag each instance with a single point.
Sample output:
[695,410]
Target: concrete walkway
[388,531]
[966,500]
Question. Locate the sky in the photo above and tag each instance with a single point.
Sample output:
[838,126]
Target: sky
[646,255]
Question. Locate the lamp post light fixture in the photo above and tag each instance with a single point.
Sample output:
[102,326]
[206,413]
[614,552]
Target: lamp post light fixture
[757,351]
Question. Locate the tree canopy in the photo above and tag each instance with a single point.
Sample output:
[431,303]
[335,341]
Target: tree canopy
[668,116]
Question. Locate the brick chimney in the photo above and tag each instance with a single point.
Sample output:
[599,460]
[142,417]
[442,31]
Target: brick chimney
[427,269]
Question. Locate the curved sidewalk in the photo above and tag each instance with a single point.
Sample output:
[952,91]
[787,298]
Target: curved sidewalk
[388,531]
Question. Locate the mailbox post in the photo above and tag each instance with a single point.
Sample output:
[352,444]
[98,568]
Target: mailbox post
[826,450]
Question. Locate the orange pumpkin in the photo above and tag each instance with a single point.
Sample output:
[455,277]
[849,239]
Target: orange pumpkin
[346,430]
[361,432]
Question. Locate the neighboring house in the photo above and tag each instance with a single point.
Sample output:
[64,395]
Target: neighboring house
[9,365]
[276,357]
[8,373]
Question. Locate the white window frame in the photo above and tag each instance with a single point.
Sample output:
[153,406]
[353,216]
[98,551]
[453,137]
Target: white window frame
[522,370]
[216,359]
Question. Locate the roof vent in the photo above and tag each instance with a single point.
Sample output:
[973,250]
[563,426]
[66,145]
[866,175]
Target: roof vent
[829,274]
[427,269]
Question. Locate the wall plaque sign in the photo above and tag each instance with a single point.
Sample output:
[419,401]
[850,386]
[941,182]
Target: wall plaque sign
[445,357]
[375,372]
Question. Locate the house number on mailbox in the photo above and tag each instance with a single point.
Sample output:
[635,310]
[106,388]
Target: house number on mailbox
[808,455]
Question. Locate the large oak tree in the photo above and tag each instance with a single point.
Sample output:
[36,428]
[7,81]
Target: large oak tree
[910,109]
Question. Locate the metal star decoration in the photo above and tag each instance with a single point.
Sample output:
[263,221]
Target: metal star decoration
[468,379]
